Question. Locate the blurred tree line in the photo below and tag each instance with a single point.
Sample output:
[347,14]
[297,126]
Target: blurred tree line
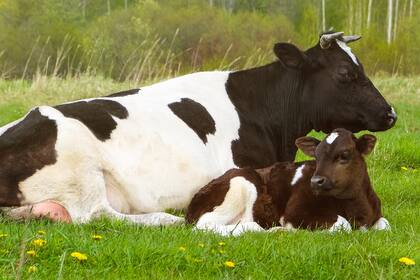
[152,39]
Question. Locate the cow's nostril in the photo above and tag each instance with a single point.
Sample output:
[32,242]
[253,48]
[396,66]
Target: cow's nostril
[318,181]
[391,116]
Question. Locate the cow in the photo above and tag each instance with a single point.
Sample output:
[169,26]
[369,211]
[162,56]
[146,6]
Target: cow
[134,154]
[332,192]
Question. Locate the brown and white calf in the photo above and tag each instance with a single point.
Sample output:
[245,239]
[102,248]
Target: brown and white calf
[333,191]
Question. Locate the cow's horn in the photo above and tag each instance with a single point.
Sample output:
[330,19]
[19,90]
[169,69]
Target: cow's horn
[350,38]
[326,39]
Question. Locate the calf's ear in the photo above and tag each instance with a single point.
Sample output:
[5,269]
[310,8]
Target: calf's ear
[290,55]
[366,143]
[307,145]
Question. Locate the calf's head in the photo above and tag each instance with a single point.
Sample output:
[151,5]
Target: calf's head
[340,167]
[336,90]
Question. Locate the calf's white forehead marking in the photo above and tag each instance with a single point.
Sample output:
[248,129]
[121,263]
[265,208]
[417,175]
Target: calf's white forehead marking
[298,174]
[330,139]
[347,49]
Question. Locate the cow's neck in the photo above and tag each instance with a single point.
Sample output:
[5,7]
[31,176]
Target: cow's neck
[268,101]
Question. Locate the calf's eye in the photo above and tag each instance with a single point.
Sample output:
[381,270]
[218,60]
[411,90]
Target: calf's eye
[344,157]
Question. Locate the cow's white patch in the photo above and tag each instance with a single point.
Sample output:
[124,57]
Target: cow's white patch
[382,224]
[298,174]
[340,225]
[347,50]
[331,138]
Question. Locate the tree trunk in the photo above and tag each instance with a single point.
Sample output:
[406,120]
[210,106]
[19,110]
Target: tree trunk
[323,15]
[411,8]
[230,5]
[396,19]
[84,9]
[108,4]
[351,14]
[389,32]
[369,13]
[125,4]
[211,3]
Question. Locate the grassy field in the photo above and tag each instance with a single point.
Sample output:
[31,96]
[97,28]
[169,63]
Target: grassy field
[132,252]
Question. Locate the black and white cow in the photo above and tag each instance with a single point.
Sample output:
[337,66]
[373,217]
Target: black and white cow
[133,154]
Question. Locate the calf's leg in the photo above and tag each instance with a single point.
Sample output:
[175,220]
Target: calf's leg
[234,216]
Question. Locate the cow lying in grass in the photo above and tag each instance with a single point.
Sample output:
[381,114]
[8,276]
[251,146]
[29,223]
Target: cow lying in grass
[333,191]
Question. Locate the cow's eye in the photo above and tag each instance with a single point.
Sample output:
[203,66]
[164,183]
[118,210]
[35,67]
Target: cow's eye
[346,76]
[344,157]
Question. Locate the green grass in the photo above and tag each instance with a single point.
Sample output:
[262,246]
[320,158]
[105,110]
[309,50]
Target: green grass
[134,252]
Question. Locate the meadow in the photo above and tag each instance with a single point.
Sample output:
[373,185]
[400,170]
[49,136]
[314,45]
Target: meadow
[118,250]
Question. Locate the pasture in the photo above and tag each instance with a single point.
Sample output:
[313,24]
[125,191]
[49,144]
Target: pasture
[118,250]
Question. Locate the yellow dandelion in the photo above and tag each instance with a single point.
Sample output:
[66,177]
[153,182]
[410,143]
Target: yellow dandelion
[403,168]
[79,256]
[229,264]
[182,248]
[31,253]
[39,242]
[3,235]
[96,237]
[407,261]
[201,245]
[222,243]
[32,269]
[41,232]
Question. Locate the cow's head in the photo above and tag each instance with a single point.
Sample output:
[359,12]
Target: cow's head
[336,90]
[340,167]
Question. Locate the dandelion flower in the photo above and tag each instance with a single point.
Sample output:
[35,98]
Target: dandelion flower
[79,256]
[32,269]
[31,253]
[41,232]
[182,248]
[201,245]
[3,235]
[229,264]
[222,243]
[403,168]
[407,261]
[39,242]
[96,237]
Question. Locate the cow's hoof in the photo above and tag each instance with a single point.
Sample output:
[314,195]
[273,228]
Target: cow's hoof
[381,224]
[340,225]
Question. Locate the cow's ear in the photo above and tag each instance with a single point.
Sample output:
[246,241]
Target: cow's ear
[366,143]
[307,145]
[290,55]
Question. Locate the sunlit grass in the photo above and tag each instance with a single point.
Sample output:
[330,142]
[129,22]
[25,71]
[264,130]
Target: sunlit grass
[126,251]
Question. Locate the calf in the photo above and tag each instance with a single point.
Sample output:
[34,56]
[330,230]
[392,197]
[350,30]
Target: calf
[333,191]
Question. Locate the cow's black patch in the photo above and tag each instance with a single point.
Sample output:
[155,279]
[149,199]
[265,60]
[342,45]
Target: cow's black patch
[195,116]
[124,93]
[96,115]
[25,148]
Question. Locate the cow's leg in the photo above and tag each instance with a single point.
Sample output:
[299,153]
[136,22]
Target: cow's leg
[382,224]
[149,219]
[46,209]
[234,215]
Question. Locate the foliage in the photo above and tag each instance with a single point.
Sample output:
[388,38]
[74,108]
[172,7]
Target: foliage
[155,39]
